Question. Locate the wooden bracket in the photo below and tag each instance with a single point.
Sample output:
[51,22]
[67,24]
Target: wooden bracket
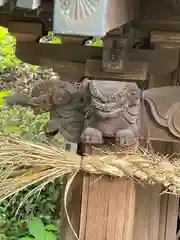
[115,53]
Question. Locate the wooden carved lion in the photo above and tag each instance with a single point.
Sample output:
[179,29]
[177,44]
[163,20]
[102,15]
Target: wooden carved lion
[62,101]
[96,110]
[112,110]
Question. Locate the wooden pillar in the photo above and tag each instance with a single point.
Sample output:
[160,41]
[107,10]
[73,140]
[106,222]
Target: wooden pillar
[100,208]
[118,209]
[108,207]
[168,217]
[147,212]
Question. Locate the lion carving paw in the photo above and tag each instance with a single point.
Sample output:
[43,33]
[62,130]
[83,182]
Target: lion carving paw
[125,138]
[92,136]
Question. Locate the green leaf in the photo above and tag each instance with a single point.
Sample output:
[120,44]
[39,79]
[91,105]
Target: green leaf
[97,44]
[3,237]
[13,129]
[2,98]
[57,41]
[2,223]
[37,229]
[27,238]
[51,228]
[50,236]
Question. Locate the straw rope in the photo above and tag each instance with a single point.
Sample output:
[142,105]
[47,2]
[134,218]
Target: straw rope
[23,163]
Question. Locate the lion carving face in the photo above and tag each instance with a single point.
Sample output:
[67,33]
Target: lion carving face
[50,94]
[110,99]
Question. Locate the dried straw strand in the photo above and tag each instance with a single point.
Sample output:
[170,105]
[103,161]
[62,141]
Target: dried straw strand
[23,163]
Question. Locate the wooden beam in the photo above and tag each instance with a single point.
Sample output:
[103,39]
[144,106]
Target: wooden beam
[31,28]
[45,54]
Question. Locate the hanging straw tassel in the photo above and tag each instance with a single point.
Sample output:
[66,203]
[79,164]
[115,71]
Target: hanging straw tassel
[23,163]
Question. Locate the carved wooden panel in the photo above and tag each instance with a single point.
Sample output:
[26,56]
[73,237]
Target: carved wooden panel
[166,115]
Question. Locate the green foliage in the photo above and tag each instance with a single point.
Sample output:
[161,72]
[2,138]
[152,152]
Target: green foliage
[13,224]
[53,39]
[22,122]
[97,43]
[2,98]
[38,231]
[7,46]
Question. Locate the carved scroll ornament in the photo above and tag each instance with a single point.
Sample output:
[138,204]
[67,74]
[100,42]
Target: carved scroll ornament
[164,104]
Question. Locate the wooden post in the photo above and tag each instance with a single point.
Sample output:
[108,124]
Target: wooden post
[114,209]
[119,209]
[108,207]
[106,212]
[168,217]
